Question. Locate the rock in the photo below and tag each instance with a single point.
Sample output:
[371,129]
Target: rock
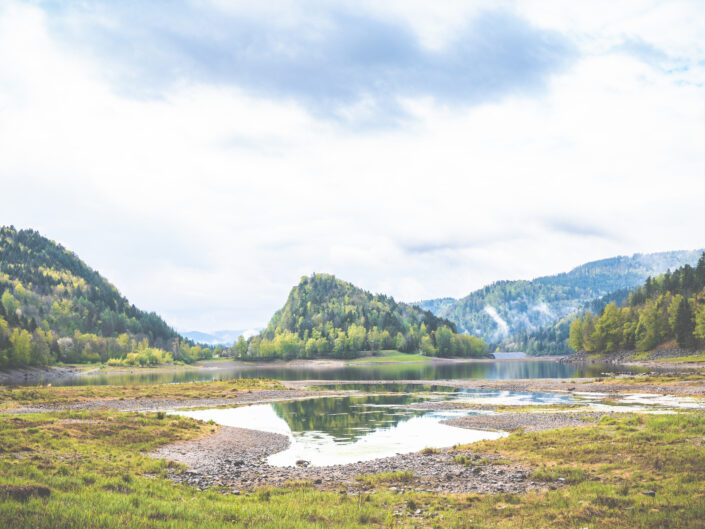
[651,493]
[302,463]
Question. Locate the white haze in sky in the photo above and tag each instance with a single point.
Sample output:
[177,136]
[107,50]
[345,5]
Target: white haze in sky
[204,155]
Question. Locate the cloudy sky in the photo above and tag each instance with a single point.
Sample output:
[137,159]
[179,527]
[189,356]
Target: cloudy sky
[205,154]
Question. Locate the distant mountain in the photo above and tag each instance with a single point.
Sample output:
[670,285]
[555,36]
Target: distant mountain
[225,338]
[508,308]
[324,316]
[53,307]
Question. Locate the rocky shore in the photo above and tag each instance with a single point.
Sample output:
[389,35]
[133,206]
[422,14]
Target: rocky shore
[34,375]
[660,360]
[531,422]
[235,458]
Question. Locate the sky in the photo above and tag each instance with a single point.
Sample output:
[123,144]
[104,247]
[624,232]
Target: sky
[203,155]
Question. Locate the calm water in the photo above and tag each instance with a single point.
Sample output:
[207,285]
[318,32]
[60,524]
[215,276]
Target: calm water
[518,369]
[339,430]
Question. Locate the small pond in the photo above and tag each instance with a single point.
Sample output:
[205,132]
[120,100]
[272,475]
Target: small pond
[339,430]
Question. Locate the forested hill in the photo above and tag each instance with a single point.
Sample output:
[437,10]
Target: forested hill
[669,307]
[508,308]
[53,307]
[324,316]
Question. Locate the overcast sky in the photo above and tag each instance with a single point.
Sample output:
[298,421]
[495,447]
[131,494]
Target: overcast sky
[203,155]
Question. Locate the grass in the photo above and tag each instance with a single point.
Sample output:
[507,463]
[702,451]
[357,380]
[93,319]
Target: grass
[390,357]
[89,469]
[534,408]
[690,376]
[640,356]
[697,357]
[402,476]
[11,397]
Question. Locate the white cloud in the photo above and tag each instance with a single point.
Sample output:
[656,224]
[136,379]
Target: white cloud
[207,205]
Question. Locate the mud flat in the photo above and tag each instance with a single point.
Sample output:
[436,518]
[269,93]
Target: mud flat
[682,383]
[151,404]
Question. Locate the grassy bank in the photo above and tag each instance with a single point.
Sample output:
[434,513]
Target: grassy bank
[89,469]
[11,397]
[391,357]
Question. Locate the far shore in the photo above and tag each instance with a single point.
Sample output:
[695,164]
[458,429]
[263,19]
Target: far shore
[48,374]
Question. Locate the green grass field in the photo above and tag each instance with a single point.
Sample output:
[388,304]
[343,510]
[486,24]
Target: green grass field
[89,470]
[390,356]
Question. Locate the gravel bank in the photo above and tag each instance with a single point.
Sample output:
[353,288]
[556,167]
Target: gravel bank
[235,458]
[528,421]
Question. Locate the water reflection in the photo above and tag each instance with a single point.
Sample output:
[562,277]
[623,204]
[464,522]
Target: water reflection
[429,371]
[338,430]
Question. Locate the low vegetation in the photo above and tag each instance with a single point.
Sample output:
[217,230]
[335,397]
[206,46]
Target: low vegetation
[90,469]
[12,397]
[391,356]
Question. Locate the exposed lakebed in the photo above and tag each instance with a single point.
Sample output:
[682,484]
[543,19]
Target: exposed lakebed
[341,430]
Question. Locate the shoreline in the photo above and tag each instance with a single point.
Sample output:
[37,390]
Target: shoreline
[34,375]
[236,458]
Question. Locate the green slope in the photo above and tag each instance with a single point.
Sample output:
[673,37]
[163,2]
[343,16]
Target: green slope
[55,308]
[324,316]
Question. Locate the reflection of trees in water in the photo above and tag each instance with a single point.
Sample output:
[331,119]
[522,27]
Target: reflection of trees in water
[391,388]
[341,416]
[484,370]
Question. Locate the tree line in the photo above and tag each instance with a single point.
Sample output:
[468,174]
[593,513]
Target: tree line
[665,308]
[54,308]
[326,317]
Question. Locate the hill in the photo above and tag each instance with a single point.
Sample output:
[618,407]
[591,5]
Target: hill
[670,307]
[324,316]
[508,308]
[54,308]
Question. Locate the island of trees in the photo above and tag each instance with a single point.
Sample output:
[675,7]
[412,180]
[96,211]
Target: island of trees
[666,308]
[327,317]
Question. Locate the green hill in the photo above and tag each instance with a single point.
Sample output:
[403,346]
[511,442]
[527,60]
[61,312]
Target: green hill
[54,308]
[512,309]
[324,316]
[670,307]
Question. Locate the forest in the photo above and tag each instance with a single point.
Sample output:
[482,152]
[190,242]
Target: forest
[670,307]
[54,308]
[528,307]
[326,317]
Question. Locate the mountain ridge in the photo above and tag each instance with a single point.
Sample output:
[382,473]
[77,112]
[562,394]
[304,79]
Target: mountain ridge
[505,308]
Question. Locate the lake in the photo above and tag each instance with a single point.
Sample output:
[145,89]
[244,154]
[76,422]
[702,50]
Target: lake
[498,370]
